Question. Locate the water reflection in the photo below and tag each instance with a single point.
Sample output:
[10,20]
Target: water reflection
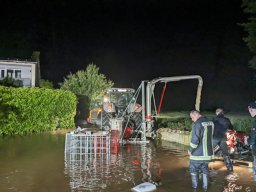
[233,184]
[239,180]
[101,171]
[36,163]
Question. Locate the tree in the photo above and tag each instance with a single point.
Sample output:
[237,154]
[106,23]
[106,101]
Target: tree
[45,84]
[88,83]
[250,27]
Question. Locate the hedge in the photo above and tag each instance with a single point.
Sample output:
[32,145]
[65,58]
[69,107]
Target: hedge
[181,120]
[34,110]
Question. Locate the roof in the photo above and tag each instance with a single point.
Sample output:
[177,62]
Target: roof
[17,62]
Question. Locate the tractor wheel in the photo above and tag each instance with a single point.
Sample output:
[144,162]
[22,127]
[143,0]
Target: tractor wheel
[104,120]
[137,118]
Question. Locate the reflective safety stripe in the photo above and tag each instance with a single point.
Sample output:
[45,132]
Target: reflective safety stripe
[200,157]
[205,136]
[193,145]
[205,149]
[212,141]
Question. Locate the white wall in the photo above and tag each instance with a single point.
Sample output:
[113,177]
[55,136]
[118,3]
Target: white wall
[27,71]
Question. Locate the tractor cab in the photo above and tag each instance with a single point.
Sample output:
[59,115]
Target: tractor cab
[117,100]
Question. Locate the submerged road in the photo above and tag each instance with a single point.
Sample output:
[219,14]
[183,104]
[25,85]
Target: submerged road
[37,163]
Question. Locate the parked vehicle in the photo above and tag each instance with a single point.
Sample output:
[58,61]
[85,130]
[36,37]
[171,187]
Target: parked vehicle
[237,142]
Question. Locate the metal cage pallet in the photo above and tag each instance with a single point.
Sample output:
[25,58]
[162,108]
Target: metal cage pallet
[84,146]
[87,155]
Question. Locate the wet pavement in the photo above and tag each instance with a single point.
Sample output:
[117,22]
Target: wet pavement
[37,163]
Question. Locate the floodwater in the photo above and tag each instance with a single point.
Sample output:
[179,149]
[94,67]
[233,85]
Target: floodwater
[37,164]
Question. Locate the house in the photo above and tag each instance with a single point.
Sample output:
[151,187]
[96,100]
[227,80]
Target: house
[26,71]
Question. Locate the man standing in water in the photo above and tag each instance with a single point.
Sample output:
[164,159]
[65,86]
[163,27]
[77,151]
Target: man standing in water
[221,125]
[252,140]
[200,150]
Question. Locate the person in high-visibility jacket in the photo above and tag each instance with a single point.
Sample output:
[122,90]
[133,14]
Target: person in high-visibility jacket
[200,150]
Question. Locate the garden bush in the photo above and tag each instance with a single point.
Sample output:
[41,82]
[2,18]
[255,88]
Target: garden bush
[182,121]
[34,110]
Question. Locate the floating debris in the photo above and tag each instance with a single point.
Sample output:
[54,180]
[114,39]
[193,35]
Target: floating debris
[144,187]
[232,177]
[232,187]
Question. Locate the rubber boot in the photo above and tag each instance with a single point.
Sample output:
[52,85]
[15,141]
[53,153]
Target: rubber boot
[228,163]
[194,178]
[205,182]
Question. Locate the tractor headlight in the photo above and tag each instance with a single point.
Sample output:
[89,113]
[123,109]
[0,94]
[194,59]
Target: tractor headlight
[105,99]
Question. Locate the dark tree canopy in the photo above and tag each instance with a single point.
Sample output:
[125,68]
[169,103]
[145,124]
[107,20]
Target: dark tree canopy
[250,27]
[89,82]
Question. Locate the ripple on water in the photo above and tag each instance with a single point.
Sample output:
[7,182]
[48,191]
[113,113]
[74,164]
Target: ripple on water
[233,184]
[133,164]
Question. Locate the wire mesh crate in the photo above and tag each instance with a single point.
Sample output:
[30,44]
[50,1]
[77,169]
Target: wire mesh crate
[87,157]
[84,146]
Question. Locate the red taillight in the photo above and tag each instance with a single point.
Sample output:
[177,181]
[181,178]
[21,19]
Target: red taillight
[136,162]
[127,133]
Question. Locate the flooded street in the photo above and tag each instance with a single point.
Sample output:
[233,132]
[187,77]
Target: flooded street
[37,163]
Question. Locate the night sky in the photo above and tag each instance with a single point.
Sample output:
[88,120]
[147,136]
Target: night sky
[134,40]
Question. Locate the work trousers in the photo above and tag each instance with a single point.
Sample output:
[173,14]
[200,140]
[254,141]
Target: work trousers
[223,146]
[196,166]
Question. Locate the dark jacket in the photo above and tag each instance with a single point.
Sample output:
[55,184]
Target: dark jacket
[201,140]
[221,125]
[252,140]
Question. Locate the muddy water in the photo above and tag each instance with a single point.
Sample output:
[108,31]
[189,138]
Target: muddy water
[36,163]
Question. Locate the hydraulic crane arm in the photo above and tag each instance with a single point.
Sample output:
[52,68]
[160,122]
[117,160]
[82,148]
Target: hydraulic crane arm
[151,86]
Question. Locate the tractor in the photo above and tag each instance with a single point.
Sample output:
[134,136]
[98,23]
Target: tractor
[119,111]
